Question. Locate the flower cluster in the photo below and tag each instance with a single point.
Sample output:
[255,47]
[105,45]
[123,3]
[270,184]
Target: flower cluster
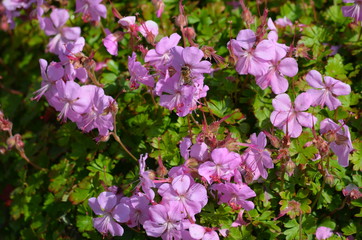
[86,104]
[208,172]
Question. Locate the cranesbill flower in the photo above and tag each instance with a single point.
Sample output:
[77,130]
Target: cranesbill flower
[138,205]
[149,30]
[235,195]
[291,118]
[323,233]
[72,100]
[221,167]
[340,142]
[275,76]
[106,206]
[111,41]
[247,61]
[203,233]
[327,90]
[165,222]
[54,26]
[185,195]
[139,74]
[97,114]
[354,11]
[161,55]
[92,10]
[283,22]
[51,74]
[257,157]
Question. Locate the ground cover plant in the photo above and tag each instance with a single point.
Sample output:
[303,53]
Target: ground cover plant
[181,119]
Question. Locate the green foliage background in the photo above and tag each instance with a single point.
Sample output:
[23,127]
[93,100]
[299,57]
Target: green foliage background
[52,204]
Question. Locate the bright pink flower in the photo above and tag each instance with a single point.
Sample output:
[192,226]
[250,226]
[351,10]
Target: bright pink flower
[92,10]
[323,233]
[50,74]
[63,35]
[221,167]
[165,222]
[292,118]
[235,195]
[97,115]
[185,195]
[327,90]
[342,146]
[283,22]
[139,74]
[145,181]
[161,55]
[72,100]
[203,233]
[257,157]
[106,206]
[354,11]
[248,61]
[275,76]
[111,42]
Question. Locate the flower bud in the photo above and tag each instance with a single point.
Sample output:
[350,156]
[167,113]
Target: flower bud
[329,179]
[289,167]
[162,171]
[19,144]
[151,174]
[181,21]
[190,33]
[10,142]
[2,150]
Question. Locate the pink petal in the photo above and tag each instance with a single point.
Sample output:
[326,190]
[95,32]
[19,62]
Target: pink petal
[246,38]
[59,17]
[306,119]
[338,87]
[279,84]
[302,102]
[192,55]
[196,231]
[107,200]
[288,66]
[314,79]
[282,102]
[93,203]
[181,184]
[121,213]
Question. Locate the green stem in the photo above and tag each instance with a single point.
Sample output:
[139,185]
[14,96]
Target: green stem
[300,226]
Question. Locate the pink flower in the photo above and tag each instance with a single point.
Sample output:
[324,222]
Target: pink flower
[92,10]
[235,195]
[283,22]
[161,55]
[111,42]
[106,206]
[248,61]
[257,157]
[165,222]
[139,74]
[222,165]
[149,30]
[327,90]
[185,195]
[275,76]
[63,35]
[352,191]
[51,74]
[203,233]
[354,11]
[323,233]
[341,143]
[292,118]
[97,115]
